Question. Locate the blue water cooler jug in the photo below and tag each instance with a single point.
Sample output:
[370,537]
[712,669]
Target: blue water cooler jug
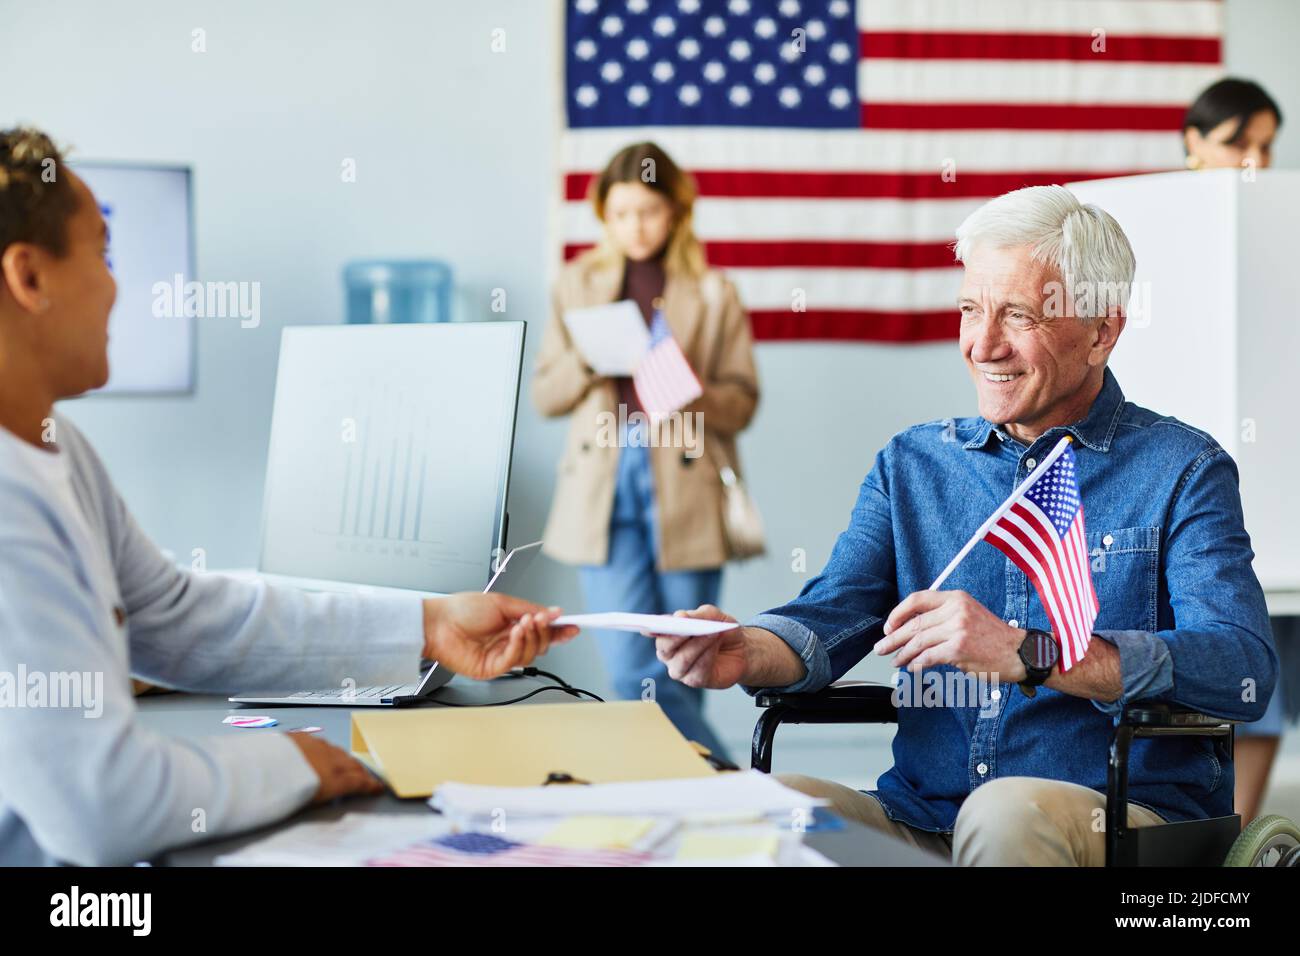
[417,290]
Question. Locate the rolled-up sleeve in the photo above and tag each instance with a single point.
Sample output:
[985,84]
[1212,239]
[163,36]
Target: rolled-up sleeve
[816,662]
[1146,668]
[838,616]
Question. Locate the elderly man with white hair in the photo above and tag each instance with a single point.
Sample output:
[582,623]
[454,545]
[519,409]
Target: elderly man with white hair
[1019,776]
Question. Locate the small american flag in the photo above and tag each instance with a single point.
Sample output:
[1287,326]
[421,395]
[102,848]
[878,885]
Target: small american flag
[486,849]
[664,381]
[837,144]
[1042,532]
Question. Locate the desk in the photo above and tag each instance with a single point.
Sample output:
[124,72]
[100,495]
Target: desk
[190,715]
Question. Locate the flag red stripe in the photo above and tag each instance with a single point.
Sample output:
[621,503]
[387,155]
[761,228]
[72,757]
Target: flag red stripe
[1038,46]
[1066,582]
[774,184]
[1080,544]
[1049,557]
[819,253]
[1040,116]
[1078,549]
[1044,599]
[1082,532]
[832,254]
[1052,556]
[1070,558]
[1068,621]
[856,325]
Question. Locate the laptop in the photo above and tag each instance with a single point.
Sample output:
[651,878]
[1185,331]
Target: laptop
[388,467]
[432,677]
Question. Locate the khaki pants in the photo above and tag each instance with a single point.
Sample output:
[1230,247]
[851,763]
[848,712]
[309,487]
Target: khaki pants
[1010,821]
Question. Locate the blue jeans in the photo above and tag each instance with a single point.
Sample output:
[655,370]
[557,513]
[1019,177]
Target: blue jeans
[629,581]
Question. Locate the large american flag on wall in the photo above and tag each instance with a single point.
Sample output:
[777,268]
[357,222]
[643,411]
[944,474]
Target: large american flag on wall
[834,163]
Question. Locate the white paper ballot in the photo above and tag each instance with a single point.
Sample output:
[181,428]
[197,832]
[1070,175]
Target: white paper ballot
[732,794]
[652,623]
[612,338]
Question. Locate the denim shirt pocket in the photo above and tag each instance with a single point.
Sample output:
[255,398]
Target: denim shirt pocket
[1125,566]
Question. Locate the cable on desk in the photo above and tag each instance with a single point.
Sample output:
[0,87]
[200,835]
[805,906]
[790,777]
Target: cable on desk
[560,685]
[536,672]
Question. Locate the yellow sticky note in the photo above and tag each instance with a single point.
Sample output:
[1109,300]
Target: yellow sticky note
[727,846]
[590,833]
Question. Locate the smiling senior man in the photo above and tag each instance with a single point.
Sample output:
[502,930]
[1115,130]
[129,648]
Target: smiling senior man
[1019,777]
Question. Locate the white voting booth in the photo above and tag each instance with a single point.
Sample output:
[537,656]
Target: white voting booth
[1213,337]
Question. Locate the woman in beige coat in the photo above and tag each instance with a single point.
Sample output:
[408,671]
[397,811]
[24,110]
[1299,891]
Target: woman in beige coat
[638,507]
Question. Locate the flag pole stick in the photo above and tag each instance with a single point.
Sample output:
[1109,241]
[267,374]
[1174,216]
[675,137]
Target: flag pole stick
[978,536]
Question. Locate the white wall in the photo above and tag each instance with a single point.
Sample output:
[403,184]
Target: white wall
[454,147]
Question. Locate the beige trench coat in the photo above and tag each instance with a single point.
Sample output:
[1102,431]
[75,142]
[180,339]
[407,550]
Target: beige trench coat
[712,328]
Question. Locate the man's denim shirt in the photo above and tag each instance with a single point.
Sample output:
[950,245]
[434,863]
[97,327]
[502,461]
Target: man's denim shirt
[1172,569]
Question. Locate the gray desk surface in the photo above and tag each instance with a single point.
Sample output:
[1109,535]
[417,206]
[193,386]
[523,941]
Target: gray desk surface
[189,715]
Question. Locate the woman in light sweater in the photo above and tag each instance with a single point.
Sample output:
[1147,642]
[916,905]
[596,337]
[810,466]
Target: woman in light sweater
[87,601]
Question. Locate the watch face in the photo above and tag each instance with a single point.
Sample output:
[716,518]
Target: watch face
[1040,650]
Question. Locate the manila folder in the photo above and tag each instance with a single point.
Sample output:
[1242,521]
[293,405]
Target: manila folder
[418,749]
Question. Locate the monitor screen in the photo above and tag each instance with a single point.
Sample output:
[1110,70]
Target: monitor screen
[150,349]
[390,453]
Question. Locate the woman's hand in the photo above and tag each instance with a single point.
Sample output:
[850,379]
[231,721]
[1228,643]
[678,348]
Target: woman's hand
[340,774]
[484,635]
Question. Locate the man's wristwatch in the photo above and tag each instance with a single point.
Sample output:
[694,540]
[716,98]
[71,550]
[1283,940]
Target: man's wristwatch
[1039,652]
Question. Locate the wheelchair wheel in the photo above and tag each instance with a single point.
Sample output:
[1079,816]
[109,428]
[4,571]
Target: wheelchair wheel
[1269,841]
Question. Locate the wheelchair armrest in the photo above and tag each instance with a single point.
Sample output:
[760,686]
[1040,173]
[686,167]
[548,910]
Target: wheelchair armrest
[853,702]
[1154,718]
[847,702]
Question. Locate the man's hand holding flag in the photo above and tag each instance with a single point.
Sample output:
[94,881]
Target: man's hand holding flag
[1040,527]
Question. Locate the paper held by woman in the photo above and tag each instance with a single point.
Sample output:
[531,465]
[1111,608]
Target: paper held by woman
[647,623]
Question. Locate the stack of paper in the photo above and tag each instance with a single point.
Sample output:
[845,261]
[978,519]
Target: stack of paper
[736,819]
[729,795]
[731,819]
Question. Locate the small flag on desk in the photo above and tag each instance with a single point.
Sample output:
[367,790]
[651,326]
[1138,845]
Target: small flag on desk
[664,381]
[1041,530]
[485,849]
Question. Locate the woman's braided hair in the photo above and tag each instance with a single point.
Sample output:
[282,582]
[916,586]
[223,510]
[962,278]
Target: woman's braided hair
[36,198]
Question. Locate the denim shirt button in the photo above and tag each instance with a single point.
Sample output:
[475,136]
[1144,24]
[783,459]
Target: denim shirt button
[996,695]
[1031,464]
[1013,622]
[982,769]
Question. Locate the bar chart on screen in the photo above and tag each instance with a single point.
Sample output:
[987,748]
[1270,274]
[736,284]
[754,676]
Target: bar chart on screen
[385,460]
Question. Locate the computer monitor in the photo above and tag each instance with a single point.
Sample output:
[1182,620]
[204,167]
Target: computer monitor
[150,243]
[389,460]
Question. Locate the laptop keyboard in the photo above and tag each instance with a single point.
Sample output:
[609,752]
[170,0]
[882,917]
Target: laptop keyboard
[377,691]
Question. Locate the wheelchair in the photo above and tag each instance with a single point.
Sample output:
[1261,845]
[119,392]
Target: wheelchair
[1270,841]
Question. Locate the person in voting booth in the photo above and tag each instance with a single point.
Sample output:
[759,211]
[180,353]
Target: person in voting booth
[1232,125]
[1015,772]
[87,600]
[644,488]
